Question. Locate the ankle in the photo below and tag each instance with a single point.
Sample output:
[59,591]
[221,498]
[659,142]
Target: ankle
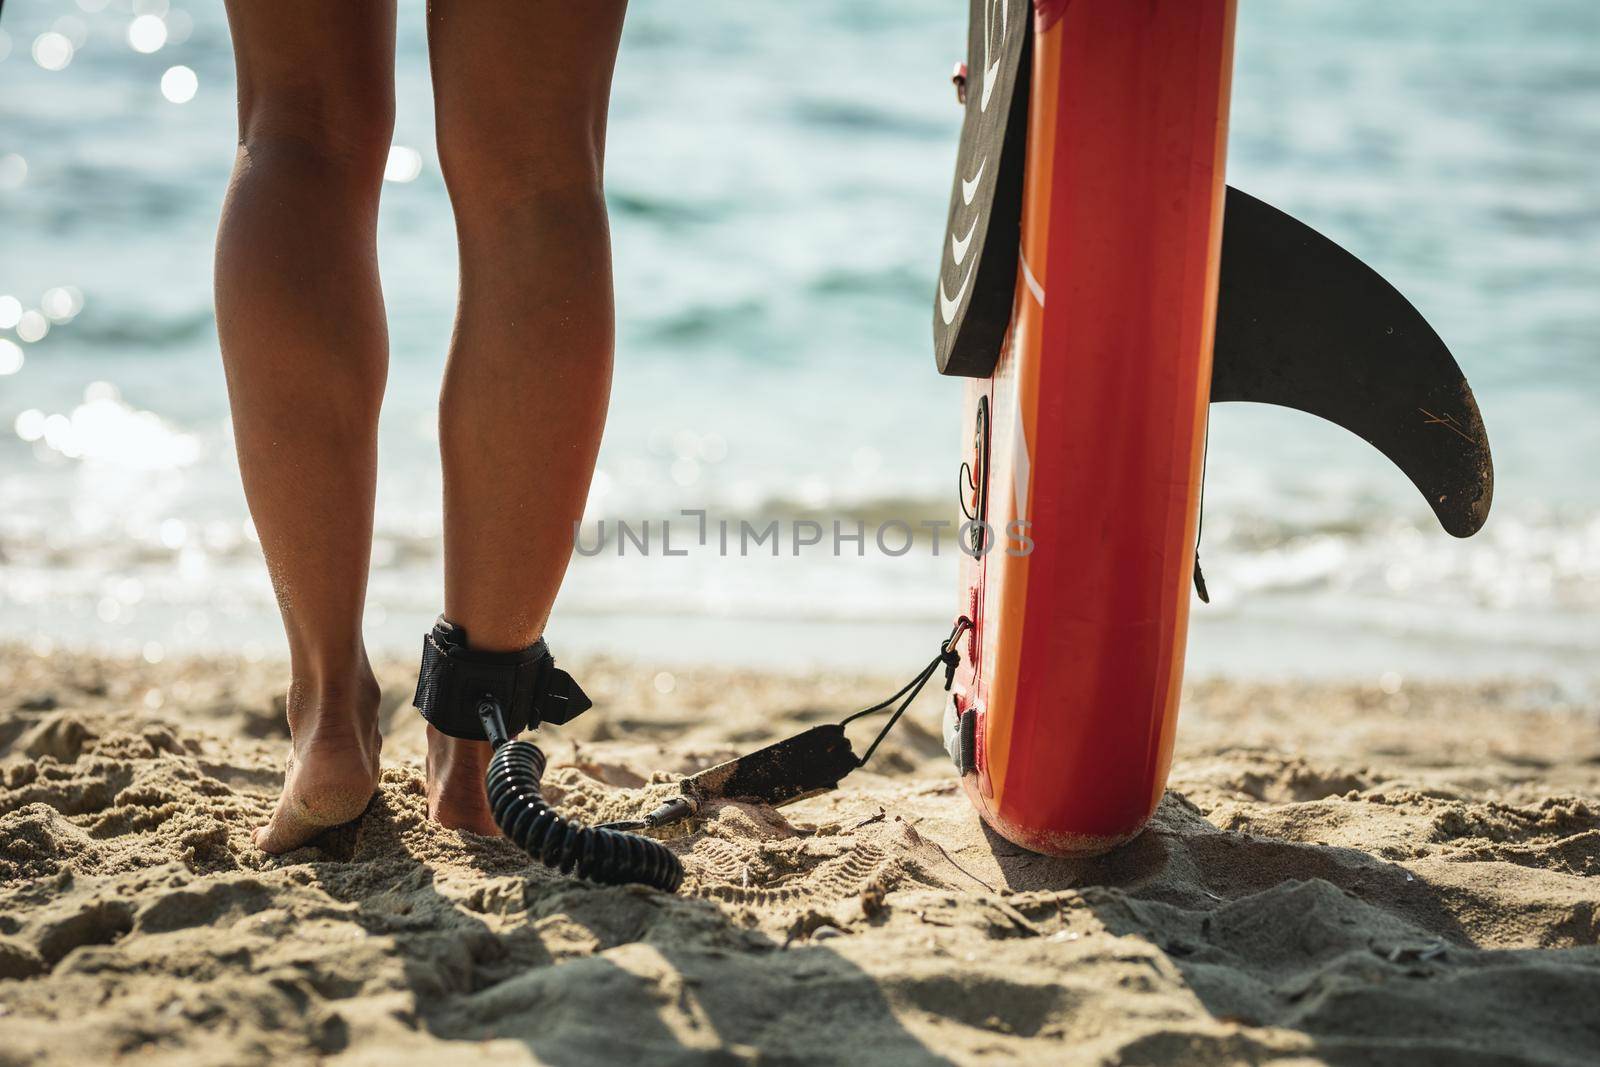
[456,798]
[451,755]
[324,707]
[336,667]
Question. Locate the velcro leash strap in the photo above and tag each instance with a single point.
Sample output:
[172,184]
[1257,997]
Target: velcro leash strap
[527,684]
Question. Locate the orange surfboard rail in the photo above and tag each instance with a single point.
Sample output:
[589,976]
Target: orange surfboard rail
[1089,436]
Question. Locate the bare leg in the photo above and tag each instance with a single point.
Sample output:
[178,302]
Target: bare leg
[301,320]
[521,92]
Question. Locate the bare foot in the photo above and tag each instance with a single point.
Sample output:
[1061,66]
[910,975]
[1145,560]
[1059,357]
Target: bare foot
[455,784]
[333,762]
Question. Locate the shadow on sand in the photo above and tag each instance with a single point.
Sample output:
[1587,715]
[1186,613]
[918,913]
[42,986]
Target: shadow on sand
[1363,957]
[583,974]
[1318,950]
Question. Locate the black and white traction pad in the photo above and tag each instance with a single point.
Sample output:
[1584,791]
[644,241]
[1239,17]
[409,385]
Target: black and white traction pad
[978,263]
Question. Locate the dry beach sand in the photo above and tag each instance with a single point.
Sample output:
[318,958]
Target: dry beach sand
[1338,874]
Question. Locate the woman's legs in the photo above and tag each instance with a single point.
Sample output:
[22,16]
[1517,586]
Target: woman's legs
[305,347]
[521,91]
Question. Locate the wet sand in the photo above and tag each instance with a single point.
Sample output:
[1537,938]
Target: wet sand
[1338,874]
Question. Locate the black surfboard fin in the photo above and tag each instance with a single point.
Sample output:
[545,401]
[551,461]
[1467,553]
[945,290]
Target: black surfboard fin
[1303,324]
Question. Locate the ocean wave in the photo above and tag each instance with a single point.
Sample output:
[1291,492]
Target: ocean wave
[659,210]
[1545,559]
[120,328]
[855,115]
[703,321]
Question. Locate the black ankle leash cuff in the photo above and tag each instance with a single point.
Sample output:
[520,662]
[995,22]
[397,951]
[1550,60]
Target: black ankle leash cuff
[493,696]
[527,685]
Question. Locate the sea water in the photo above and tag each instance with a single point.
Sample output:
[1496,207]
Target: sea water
[777,177]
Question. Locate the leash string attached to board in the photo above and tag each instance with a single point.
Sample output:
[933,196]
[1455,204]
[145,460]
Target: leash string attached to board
[948,657]
[811,762]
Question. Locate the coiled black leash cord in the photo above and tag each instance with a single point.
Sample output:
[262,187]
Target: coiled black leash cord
[482,695]
[610,857]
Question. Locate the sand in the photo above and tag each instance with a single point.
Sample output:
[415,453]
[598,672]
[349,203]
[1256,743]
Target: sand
[1338,875]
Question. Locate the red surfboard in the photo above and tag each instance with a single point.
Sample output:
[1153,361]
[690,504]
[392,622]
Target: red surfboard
[1079,294]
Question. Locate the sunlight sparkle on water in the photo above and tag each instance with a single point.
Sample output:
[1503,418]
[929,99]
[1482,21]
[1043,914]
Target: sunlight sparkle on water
[147,34]
[100,391]
[599,489]
[32,326]
[180,24]
[106,430]
[174,534]
[404,164]
[62,303]
[13,170]
[10,357]
[30,425]
[179,84]
[52,50]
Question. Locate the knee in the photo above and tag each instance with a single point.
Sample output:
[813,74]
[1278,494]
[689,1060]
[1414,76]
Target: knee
[338,128]
[491,166]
